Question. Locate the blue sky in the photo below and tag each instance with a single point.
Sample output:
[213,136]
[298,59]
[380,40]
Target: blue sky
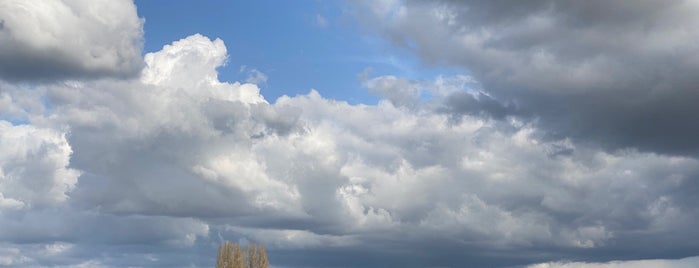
[287,41]
[282,39]
[440,133]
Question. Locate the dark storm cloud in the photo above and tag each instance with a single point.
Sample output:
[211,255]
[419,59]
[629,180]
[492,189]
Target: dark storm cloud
[618,73]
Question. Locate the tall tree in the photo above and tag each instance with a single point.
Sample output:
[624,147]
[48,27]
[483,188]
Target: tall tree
[252,255]
[262,257]
[238,258]
[224,259]
[232,255]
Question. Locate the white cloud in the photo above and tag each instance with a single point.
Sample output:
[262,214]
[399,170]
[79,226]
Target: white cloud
[200,132]
[193,57]
[12,256]
[401,92]
[53,39]
[34,166]
[256,77]
[680,263]
[321,21]
[57,248]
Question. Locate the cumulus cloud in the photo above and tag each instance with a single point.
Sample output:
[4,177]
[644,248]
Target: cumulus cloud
[34,166]
[185,156]
[48,40]
[190,120]
[618,74]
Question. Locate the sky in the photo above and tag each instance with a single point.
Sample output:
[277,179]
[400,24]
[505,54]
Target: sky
[321,36]
[384,133]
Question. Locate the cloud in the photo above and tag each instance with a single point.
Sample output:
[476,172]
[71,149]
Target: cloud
[155,170]
[177,101]
[85,227]
[170,66]
[254,76]
[617,74]
[184,157]
[454,95]
[321,21]
[48,40]
[400,92]
[34,167]
[688,262]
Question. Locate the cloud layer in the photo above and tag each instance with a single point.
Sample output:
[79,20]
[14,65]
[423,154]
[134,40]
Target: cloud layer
[155,170]
[617,74]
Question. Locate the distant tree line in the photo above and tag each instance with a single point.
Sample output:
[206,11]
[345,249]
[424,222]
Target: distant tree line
[232,255]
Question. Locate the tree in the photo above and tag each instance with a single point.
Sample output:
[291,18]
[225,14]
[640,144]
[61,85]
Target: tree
[257,256]
[238,261]
[232,255]
[224,259]
[263,262]
[252,255]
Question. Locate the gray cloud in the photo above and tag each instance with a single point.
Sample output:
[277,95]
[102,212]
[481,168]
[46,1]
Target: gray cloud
[455,95]
[617,73]
[50,40]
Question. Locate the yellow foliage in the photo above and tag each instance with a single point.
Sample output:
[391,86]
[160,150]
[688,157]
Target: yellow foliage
[232,255]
